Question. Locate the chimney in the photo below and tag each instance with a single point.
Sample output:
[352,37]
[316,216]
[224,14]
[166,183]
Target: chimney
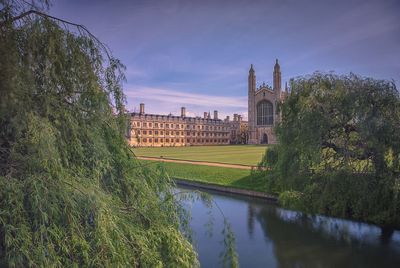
[183,112]
[142,108]
[215,115]
[235,117]
[239,118]
[205,115]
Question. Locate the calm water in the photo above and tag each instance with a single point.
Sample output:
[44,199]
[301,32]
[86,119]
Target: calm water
[269,236]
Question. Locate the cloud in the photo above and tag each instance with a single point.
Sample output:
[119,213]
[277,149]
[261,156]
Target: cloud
[178,97]
[133,72]
[165,101]
[209,45]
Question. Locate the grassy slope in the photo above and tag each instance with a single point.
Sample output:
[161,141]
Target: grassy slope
[238,178]
[230,154]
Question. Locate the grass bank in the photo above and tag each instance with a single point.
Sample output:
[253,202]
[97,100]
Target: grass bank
[236,178]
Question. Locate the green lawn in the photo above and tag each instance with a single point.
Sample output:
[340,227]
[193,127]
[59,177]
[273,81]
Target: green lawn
[229,154]
[238,178]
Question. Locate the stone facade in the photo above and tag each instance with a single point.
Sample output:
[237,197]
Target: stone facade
[153,130]
[239,130]
[263,103]
[169,130]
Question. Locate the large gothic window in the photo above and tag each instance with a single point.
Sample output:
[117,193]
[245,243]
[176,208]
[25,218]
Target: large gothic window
[265,113]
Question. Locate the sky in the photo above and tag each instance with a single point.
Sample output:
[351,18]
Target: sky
[197,53]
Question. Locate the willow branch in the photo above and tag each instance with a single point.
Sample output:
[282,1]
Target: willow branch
[44,15]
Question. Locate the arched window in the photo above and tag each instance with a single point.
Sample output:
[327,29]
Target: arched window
[265,113]
[264,139]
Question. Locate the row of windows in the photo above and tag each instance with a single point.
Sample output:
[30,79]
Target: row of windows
[177,126]
[177,133]
[156,132]
[156,140]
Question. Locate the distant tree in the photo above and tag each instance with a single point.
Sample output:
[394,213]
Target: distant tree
[243,134]
[339,135]
[71,192]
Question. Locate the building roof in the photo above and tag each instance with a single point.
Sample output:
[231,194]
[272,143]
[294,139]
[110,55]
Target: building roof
[175,116]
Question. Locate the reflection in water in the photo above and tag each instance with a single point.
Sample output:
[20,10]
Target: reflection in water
[318,241]
[275,237]
[250,220]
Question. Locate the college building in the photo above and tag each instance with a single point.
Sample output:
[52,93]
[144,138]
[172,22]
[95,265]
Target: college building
[169,130]
[155,130]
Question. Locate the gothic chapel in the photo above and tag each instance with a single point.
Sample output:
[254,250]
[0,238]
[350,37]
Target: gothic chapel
[263,114]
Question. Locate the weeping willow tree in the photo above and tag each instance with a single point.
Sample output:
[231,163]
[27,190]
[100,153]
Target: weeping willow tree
[71,192]
[339,148]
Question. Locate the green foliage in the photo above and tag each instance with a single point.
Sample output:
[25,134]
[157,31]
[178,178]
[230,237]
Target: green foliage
[229,256]
[71,194]
[358,196]
[272,184]
[292,200]
[339,147]
[270,158]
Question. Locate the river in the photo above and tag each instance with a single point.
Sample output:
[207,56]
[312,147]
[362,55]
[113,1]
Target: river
[269,236]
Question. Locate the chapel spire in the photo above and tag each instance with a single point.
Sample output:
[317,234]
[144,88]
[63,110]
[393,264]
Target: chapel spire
[277,76]
[252,79]
[251,69]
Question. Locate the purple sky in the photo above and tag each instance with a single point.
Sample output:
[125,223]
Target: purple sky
[197,53]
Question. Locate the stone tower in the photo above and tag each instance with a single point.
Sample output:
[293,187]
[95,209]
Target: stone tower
[277,78]
[251,104]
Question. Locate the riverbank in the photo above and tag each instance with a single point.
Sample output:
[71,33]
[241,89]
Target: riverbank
[267,235]
[225,189]
[216,175]
[238,181]
[192,162]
